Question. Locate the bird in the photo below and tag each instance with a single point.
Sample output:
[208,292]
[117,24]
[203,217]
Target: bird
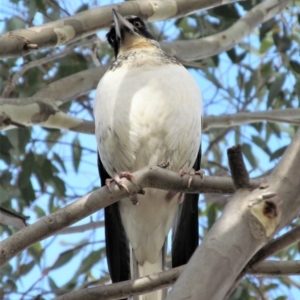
[147,110]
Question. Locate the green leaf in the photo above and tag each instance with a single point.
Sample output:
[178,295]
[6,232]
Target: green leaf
[52,284]
[87,264]
[274,128]
[59,186]
[53,136]
[249,85]
[261,143]
[266,27]
[36,252]
[247,151]
[283,43]
[65,257]
[227,12]
[39,211]
[278,153]
[26,268]
[11,285]
[40,5]
[28,193]
[211,214]
[265,45]
[76,153]
[19,138]
[60,162]
[295,66]
[275,89]
[5,148]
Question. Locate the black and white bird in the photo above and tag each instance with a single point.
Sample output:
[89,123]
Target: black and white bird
[147,110]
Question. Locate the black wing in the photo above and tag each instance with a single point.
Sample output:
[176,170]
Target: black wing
[117,245]
[186,230]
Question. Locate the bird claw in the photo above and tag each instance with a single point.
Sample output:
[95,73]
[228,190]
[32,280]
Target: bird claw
[191,174]
[118,182]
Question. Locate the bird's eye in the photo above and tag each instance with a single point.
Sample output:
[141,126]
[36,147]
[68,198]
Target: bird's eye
[137,24]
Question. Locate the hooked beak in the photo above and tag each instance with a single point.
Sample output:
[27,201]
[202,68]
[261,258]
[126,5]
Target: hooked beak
[121,22]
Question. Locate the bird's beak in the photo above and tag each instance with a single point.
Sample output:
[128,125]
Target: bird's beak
[121,22]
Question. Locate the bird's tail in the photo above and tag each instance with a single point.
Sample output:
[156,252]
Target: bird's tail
[148,269]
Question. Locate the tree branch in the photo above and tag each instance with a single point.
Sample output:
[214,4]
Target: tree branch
[227,39]
[268,250]
[11,84]
[126,288]
[78,84]
[248,221]
[53,34]
[276,268]
[40,111]
[288,115]
[154,177]
[84,81]
[81,228]
[275,246]
[164,279]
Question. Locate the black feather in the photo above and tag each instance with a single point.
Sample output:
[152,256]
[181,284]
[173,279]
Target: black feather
[186,230]
[117,245]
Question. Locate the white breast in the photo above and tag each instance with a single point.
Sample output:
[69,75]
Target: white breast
[144,115]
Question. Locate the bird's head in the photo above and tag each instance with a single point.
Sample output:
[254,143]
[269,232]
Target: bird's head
[128,34]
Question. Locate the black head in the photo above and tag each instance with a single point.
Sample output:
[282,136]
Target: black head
[124,29]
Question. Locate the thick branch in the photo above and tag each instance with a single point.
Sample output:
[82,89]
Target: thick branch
[268,250]
[78,84]
[62,31]
[41,111]
[148,177]
[81,228]
[248,221]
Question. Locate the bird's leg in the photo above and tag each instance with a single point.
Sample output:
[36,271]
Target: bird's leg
[192,174]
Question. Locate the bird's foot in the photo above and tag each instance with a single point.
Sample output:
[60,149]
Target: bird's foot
[192,174]
[118,182]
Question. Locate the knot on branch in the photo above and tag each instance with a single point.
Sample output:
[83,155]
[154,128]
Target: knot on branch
[265,208]
[6,120]
[45,111]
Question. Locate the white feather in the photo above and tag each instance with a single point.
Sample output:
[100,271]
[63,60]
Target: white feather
[146,113]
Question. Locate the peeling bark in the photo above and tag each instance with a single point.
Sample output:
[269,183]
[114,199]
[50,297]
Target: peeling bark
[56,33]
